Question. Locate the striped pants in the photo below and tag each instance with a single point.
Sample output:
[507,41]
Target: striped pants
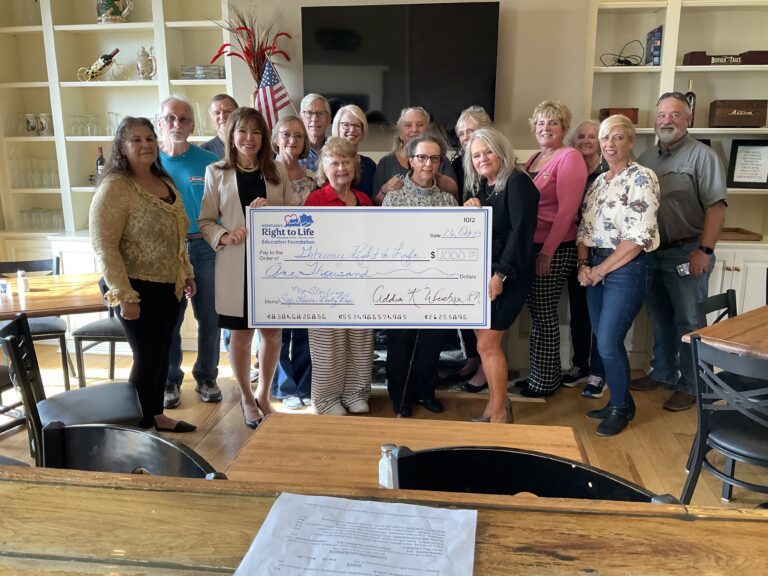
[545,330]
[342,364]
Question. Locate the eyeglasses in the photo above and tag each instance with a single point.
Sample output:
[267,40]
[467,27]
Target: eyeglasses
[676,95]
[356,126]
[181,120]
[423,158]
[308,114]
[297,136]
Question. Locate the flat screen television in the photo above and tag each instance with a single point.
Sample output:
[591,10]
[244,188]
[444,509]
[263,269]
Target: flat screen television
[385,58]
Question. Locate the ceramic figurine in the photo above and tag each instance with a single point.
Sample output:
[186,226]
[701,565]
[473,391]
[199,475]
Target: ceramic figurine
[146,66]
[113,10]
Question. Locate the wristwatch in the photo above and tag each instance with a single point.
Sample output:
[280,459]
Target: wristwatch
[707,250]
[502,276]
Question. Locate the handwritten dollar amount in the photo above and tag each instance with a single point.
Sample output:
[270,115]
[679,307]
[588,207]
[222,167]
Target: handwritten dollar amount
[455,254]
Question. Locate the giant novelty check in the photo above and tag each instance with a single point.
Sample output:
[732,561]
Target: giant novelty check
[369,267]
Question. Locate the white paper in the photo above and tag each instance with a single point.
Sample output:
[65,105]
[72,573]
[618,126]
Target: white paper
[323,535]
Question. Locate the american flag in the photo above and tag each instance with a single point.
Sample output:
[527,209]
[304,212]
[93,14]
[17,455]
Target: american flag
[272,96]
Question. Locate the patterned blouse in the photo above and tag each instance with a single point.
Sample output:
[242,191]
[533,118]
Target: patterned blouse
[623,208]
[303,186]
[412,195]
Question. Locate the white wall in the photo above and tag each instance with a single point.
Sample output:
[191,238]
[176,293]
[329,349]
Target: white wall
[542,47]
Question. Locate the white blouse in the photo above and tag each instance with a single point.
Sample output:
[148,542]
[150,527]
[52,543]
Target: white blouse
[623,208]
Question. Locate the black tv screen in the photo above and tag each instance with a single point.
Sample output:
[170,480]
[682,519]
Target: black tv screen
[385,58]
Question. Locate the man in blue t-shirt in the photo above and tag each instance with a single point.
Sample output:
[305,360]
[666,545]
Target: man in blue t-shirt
[221,106]
[186,164]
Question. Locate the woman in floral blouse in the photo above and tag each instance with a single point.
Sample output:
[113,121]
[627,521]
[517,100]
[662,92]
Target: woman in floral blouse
[618,228]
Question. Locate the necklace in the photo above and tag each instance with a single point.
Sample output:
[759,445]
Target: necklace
[246,170]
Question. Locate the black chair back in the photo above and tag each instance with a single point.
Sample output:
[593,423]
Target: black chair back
[724,304]
[497,470]
[52,266]
[122,449]
[24,372]
[732,405]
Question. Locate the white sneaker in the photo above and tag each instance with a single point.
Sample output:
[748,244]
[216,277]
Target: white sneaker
[359,407]
[595,387]
[336,410]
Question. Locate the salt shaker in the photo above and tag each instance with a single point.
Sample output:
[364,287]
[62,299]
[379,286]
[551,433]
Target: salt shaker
[386,478]
[22,281]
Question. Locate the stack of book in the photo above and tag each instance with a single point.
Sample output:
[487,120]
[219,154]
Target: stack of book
[653,47]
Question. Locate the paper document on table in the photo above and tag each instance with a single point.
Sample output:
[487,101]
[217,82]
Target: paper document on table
[325,535]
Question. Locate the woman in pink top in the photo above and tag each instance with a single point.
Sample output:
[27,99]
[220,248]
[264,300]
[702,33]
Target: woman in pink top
[560,174]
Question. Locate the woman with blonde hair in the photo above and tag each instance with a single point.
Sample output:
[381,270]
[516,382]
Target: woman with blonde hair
[493,179]
[559,173]
[351,124]
[619,227]
[393,167]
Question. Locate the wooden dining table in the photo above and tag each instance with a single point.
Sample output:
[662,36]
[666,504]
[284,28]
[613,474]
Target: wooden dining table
[333,451]
[745,334]
[88,523]
[53,296]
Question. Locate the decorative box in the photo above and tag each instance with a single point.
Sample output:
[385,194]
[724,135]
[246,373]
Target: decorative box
[750,57]
[737,113]
[630,113]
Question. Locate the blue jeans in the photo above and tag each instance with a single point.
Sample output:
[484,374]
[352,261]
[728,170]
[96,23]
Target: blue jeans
[671,303]
[294,370]
[206,367]
[613,306]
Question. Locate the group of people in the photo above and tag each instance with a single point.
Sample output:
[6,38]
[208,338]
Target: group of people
[168,224]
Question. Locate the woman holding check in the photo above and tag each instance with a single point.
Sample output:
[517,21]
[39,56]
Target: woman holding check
[618,227]
[493,179]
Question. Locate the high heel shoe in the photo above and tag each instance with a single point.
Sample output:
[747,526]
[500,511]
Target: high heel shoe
[507,407]
[251,423]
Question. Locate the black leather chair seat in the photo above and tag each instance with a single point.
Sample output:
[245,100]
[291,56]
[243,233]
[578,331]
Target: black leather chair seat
[45,325]
[738,434]
[105,328]
[115,402]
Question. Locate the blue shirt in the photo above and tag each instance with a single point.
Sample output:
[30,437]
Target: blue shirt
[188,173]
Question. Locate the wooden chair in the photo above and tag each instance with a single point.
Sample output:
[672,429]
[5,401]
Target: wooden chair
[104,330]
[122,449]
[496,470]
[114,402]
[724,305]
[9,407]
[732,421]
[47,327]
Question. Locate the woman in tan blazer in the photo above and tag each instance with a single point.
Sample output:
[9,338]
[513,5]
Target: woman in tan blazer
[248,176]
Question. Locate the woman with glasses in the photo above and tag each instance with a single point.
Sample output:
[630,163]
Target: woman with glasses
[350,123]
[412,355]
[342,359]
[393,167]
[294,370]
[618,228]
[492,179]
[560,174]
[247,177]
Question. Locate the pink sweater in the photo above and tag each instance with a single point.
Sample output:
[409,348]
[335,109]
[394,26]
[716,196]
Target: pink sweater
[561,184]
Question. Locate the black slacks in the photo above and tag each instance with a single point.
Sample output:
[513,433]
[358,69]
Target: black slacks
[149,337]
[400,349]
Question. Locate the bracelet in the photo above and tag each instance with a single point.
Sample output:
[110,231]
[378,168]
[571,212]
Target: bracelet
[582,262]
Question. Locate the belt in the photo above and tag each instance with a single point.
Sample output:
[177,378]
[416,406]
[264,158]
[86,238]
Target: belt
[195,236]
[677,243]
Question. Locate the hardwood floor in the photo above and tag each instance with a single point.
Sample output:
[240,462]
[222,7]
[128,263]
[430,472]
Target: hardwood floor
[652,451]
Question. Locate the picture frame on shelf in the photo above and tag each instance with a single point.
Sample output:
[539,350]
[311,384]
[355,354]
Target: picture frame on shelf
[748,164]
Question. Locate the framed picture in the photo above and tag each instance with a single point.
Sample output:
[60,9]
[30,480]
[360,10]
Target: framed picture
[748,165]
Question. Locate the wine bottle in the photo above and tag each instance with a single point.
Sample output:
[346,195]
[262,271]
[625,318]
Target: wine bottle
[107,58]
[100,162]
[691,97]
